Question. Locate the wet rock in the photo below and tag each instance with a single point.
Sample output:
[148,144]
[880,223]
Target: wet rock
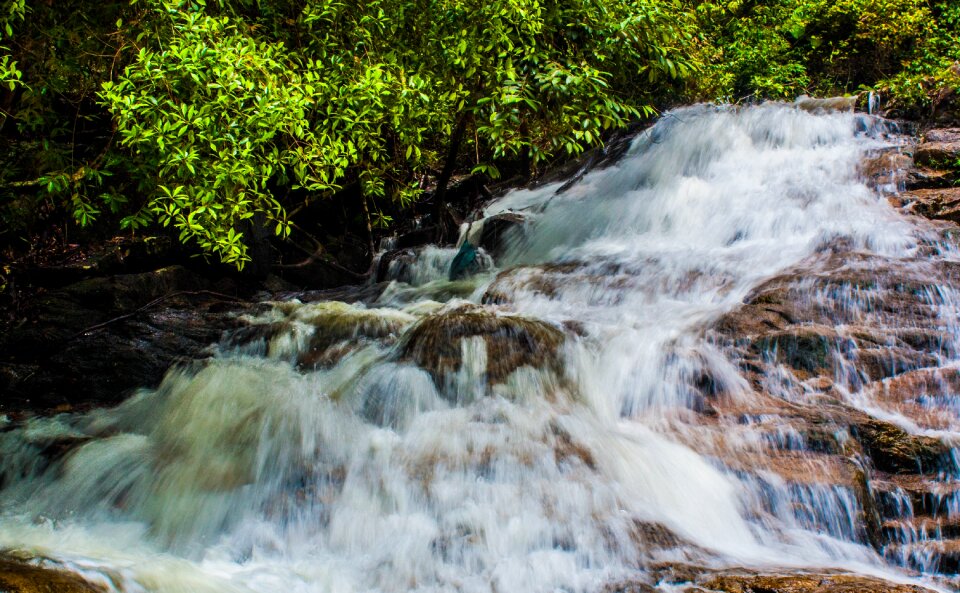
[336,325]
[895,171]
[396,265]
[817,104]
[929,382]
[511,342]
[929,178]
[676,572]
[21,577]
[541,280]
[92,342]
[875,364]
[925,528]
[940,147]
[501,231]
[927,495]
[886,171]
[894,450]
[630,588]
[937,154]
[938,204]
[941,556]
[567,450]
[942,135]
[808,348]
[869,515]
[805,583]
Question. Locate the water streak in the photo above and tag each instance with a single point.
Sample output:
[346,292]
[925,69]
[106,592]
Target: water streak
[556,440]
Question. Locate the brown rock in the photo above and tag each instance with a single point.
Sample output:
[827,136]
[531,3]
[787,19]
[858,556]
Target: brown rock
[940,555]
[511,342]
[806,348]
[20,577]
[928,178]
[941,148]
[887,169]
[630,588]
[806,583]
[894,450]
[544,279]
[942,135]
[927,495]
[938,204]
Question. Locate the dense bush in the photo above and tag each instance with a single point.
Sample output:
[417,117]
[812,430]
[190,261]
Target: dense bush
[205,115]
[781,48]
[226,109]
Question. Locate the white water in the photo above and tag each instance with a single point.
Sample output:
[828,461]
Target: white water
[252,474]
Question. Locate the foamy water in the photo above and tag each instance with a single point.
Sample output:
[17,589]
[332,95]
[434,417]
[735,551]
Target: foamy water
[362,471]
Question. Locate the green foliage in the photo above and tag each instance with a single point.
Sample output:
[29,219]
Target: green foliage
[9,15]
[207,115]
[227,107]
[785,47]
[55,161]
[931,70]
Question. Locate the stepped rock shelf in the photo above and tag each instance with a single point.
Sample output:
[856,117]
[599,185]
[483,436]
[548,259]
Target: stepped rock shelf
[728,362]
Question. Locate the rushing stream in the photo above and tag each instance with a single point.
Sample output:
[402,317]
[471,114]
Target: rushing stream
[563,421]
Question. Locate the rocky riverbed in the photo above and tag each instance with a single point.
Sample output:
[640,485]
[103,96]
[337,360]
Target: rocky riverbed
[827,392]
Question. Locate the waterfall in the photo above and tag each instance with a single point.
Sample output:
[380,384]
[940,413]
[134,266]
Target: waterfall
[570,418]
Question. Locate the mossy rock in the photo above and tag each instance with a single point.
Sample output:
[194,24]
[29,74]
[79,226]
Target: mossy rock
[335,322]
[894,450]
[20,577]
[126,292]
[807,349]
[337,328]
[511,342]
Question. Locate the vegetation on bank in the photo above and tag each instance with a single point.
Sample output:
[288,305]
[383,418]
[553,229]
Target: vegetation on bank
[212,119]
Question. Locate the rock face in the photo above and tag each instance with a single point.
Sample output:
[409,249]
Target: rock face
[928,183]
[91,342]
[20,577]
[850,351]
[894,450]
[940,147]
[937,203]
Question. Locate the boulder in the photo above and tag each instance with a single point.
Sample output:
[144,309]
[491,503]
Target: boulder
[501,231]
[885,171]
[814,104]
[20,577]
[494,233]
[434,343]
[894,450]
[940,147]
[948,135]
[938,204]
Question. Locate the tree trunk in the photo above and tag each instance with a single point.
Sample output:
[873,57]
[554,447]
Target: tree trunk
[456,139]
[439,194]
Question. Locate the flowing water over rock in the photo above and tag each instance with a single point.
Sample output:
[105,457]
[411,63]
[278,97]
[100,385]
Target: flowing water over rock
[724,351]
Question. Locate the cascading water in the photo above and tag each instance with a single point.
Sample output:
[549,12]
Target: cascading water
[564,422]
